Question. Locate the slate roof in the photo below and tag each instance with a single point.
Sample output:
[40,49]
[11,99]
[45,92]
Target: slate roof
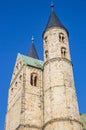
[83,120]
[32,62]
[32,52]
[54,21]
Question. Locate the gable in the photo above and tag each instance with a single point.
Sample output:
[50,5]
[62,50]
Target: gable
[18,65]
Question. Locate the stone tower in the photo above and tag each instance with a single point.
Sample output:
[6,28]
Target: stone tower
[60,102]
[42,95]
[25,93]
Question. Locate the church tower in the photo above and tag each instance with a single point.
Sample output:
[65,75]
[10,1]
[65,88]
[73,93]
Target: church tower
[42,94]
[60,102]
[25,93]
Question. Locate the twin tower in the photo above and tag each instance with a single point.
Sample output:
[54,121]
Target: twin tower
[42,94]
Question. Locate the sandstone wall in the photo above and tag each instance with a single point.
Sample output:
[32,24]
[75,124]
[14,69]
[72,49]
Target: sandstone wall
[33,99]
[25,102]
[14,98]
[53,45]
[60,102]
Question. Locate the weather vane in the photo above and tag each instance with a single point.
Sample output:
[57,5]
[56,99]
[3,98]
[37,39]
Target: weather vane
[52,6]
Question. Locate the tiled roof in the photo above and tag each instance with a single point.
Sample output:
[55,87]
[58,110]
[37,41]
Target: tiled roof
[32,62]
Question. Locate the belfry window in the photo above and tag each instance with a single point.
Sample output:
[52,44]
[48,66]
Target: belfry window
[61,37]
[33,79]
[46,54]
[63,52]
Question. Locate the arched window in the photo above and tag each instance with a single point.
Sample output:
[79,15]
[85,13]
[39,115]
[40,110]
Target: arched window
[33,79]
[61,37]
[46,54]
[63,52]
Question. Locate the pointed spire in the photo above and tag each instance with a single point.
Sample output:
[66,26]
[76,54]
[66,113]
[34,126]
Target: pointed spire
[54,21]
[32,51]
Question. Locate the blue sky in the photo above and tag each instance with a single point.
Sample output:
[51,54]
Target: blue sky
[19,20]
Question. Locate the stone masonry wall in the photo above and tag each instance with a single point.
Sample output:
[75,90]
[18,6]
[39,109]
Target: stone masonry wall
[14,99]
[33,99]
[60,102]
[25,102]
[53,45]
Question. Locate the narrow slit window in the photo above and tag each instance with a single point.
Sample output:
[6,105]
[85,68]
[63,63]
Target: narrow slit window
[31,80]
[63,39]
[35,81]
[46,54]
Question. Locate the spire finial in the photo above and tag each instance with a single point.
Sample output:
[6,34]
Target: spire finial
[32,39]
[52,6]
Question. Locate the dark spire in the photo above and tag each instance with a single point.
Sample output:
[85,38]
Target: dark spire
[54,20]
[32,51]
